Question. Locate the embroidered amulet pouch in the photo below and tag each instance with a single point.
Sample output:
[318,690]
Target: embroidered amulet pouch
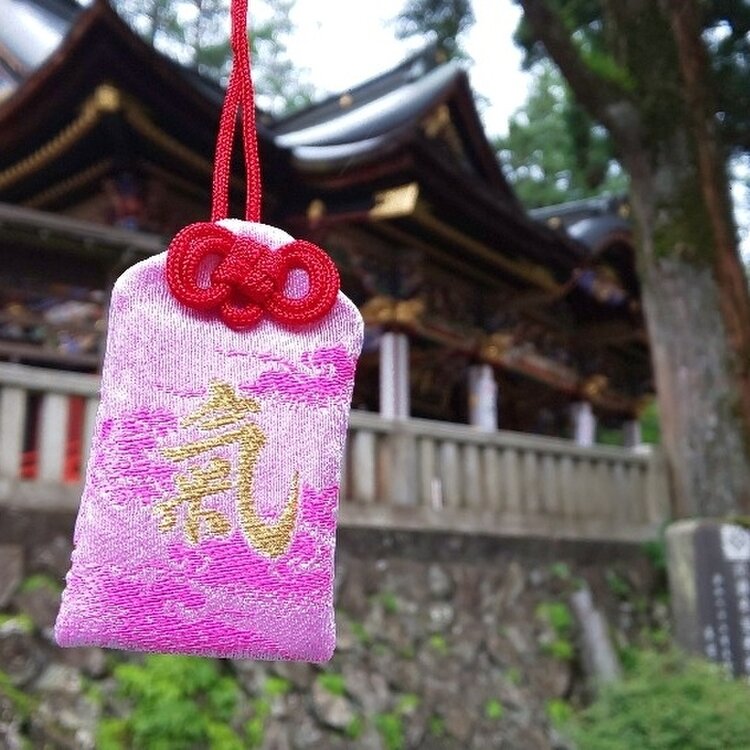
[208,517]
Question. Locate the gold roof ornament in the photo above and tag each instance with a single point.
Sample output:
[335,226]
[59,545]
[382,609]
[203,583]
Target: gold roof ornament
[437,121]
[396,202]
[409,311]
[316,210]
[384,310]
[496,345]
[106,98]
[594,386]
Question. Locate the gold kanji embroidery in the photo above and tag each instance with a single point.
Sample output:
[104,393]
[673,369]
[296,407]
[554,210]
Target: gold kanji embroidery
[225,409]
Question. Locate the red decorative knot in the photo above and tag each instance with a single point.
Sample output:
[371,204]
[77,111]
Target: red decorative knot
[250,278]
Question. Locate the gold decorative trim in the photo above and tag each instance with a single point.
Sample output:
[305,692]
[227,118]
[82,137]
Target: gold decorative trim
[316,210]
[594,386]
[105,99]
[396,202]
[383,310]
[520,268]
[436,121]
[40,200]
[496,345]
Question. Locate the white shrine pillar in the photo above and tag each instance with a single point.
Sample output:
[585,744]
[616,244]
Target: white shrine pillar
[631,434]
[584,423]
[482,397]
[394,375]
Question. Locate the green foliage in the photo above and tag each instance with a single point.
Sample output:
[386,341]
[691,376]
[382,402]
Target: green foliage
[275,685]
[617,584]
[656,552]
[407,704]
[609,436]
[255,727]
[355,728]
[559,617]
[668,702]
[195,33]
[493,710]
[440,21]
[439,644]
[19,622]
[436,726]
[360,633]
[332,682]
[559,711]
[560,570]
[22,703]
[40,581]
[560,649]
[650,427]
[553,152]
[177,702]
[513,675]
[390,726]
[390,602]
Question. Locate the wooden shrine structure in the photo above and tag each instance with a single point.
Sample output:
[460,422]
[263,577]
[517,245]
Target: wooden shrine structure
[476,311]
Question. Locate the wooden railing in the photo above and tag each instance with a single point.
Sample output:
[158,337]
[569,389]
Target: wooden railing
[411,474]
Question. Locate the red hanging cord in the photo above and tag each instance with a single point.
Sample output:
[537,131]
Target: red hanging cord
[239,98]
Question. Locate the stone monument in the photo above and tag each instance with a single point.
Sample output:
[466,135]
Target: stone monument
[709,578]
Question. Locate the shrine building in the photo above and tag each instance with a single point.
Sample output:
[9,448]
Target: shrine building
[476,311]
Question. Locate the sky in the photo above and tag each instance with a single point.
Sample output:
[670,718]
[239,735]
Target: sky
[342,43]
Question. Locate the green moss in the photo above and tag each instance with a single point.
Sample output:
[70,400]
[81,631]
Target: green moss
[513,675]
[390,602]
[617,584]
[408,652]
[560,570]
[391,729]
[360,633]
[493,710]
[19,621]
[684,229]
[22,703]
[559,712]
[436,726]
[355,728]
[560,649]
[255,727]
[438,644]
[408,703]
[39,581]
[332,682]
[557,615]
[112,734]
[275,685]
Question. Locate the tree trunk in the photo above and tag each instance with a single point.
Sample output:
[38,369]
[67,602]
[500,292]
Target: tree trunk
[695,292]
[702,421]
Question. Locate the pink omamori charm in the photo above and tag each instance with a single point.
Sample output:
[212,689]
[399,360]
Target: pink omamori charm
[207,522]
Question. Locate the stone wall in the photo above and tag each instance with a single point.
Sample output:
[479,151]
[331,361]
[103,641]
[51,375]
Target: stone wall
[444,641]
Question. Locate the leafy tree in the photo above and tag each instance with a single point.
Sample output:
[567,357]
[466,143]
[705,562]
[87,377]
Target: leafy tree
[553,152]
[196,32]
[641,68]
[440,21]
[154,20]
[281,88]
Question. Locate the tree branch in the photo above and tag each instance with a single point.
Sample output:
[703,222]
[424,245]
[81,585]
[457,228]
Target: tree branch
[604,101]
